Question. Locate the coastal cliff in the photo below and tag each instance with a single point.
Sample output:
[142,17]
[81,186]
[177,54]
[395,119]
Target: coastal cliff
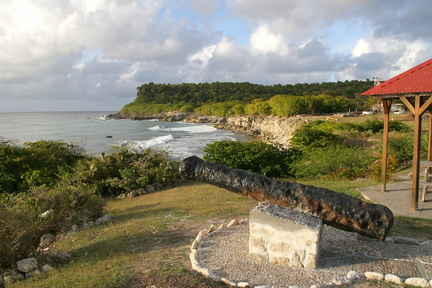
[267,128]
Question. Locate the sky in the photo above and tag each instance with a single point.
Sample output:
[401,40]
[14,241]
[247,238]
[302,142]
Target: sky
[81,55]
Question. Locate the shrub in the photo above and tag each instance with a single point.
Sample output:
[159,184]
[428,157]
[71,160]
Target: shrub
[22,224]
[376,167]
[373,125]
[309,136]
[35,163]
[124,171]
[401,146]
[339,162]
[256,156]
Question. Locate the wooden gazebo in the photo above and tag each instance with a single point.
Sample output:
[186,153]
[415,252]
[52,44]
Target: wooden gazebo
[414,89]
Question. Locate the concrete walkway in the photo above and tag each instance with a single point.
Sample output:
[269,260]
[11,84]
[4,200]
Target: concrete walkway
[398,199]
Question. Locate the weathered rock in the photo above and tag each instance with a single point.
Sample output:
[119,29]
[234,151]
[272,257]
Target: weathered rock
[47,267]
[46,240]
[419,282]
[269,128]
[393,279]
[335,209]
[232,223]
[374,276]
[141,191]
[150,188]
[12,276]
[1,281]
[32,274]
[103,219]
[27,265]
[352,275]
[341,281]
[427,242]
[405,240]
[133,194]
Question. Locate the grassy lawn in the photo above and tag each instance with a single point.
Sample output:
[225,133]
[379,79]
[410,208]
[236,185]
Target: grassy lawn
[147,243]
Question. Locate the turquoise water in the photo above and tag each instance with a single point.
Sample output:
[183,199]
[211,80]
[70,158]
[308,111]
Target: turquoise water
[97,134]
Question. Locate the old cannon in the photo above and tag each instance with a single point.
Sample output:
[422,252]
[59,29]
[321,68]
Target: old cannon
[335,209]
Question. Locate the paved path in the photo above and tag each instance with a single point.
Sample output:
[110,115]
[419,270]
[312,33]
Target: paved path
[224,252]
[398,199]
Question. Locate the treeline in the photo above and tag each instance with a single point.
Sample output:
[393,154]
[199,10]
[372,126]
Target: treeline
[229,99]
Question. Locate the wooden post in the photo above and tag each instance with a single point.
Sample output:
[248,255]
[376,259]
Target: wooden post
[416,152]
[386,108]
[430,137]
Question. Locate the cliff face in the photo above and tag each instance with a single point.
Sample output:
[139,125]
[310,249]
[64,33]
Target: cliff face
[267,128]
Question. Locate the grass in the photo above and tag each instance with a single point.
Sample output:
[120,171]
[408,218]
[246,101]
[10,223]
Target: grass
[147,243]
[150,235]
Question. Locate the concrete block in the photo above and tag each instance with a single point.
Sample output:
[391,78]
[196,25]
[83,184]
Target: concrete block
[284,236]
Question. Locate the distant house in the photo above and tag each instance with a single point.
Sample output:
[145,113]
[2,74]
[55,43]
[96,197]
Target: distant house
[397,108]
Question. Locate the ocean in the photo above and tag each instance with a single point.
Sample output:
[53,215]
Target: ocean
[97,134]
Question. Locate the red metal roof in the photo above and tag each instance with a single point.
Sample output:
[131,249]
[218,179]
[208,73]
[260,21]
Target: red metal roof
[413,81]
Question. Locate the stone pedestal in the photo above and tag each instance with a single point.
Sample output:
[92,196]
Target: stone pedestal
[283,236]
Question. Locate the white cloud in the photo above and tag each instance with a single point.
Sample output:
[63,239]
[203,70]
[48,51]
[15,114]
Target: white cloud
[263,41]
[99,51]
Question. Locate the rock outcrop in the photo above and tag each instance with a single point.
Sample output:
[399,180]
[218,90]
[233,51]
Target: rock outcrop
[268,128]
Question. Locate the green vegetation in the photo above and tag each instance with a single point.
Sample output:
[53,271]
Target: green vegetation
[256,156]
[230,99]
[35,163]
[319,149]
[58,179]
[148,241]
[124,171]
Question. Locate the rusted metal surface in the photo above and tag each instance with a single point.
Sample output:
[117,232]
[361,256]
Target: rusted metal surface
[335,209]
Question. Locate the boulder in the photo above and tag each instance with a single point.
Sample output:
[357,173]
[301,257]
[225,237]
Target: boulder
[27,265]
[46,240]
[12,276]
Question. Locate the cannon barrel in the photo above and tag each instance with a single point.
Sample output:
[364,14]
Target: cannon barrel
[335,209]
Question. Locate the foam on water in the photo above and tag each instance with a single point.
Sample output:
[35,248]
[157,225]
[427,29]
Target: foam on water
[192,129]
[158,141]
[155,128]
[97,134]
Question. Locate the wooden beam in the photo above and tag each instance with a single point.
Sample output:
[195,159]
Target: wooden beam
[425,106]
[408,103]
[416,154]
[430,137]
[386,107]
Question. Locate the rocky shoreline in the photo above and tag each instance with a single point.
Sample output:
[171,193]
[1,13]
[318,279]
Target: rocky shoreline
[268,128]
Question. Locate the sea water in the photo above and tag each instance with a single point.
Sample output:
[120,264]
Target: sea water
[97,134]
